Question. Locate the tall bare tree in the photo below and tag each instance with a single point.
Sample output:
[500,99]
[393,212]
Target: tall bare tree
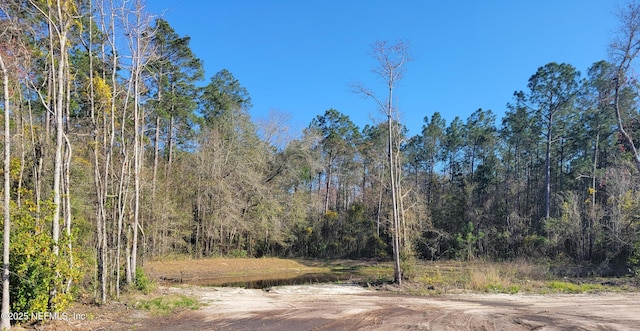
[137,23]
[391,60]
[102,110]
[60,16]
[5,321]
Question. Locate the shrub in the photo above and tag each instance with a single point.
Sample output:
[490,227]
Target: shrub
[238,253]
[39,278]
[143,283]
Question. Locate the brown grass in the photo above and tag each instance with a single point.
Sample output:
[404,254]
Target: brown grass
[187,270]
[480,276]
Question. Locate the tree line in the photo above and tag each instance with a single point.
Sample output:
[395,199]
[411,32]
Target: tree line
[116,151]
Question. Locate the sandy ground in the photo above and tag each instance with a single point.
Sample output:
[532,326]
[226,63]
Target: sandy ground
[342,307]
[345,307]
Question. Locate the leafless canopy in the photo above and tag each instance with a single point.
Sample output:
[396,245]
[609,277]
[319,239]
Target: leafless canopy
[391,59]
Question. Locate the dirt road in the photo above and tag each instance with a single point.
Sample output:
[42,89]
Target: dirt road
[344,307]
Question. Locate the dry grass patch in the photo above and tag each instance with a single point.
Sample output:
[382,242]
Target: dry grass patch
[478,276]
[506,277]
[186,270]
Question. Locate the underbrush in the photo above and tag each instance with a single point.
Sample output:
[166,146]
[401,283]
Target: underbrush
[432,278]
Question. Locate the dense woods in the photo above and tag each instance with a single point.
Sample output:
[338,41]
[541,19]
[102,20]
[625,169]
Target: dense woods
[118,151]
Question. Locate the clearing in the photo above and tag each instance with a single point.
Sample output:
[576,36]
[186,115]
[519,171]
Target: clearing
[344,306]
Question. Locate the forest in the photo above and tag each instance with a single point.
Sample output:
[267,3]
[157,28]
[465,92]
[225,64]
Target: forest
[117,150]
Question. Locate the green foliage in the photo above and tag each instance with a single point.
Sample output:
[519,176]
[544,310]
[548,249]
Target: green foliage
[347,234]
[408,264]
[176,70]
[142,281]
[535,246]
[469,189]
[223,97]
[566,287]
[37,273]
[467,242]
[238,253]
[338,133]
[377,248]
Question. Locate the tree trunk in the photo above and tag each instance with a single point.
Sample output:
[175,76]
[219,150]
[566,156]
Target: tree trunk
[109,138]
[66,178]
[391,60]
[397,271]
[621,129]
[547,179]
[139,49]
[156,149]
[395,231]
[122,207]
[593,216]
[137,172]
[327,186]
[59,114]
[170,145]
[5,321]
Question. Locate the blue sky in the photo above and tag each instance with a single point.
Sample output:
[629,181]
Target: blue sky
[301,57]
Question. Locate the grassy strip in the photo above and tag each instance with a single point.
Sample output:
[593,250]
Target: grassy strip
[168,304]
[566,287]
[432,278]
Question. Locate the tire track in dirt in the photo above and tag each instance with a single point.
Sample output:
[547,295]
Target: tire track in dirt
[335,307]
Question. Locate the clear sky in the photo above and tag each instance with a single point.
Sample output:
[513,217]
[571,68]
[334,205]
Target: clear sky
[301,57]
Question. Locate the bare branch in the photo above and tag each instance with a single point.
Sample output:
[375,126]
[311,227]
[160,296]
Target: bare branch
[624,49]
[361,89]
[391,59]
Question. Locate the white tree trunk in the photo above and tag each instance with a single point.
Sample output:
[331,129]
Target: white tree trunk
[5,321]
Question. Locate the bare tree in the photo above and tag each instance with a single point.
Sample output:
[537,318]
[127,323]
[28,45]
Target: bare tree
[391,60]
[274,128]
[137,26]
[624,49]
[5,322]
[59,15]
[13,56]
[102,110]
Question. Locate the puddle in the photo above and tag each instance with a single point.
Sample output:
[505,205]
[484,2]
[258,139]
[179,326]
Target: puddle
[265,281]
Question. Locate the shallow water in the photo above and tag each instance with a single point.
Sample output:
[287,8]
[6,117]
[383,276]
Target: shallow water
[276,279]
